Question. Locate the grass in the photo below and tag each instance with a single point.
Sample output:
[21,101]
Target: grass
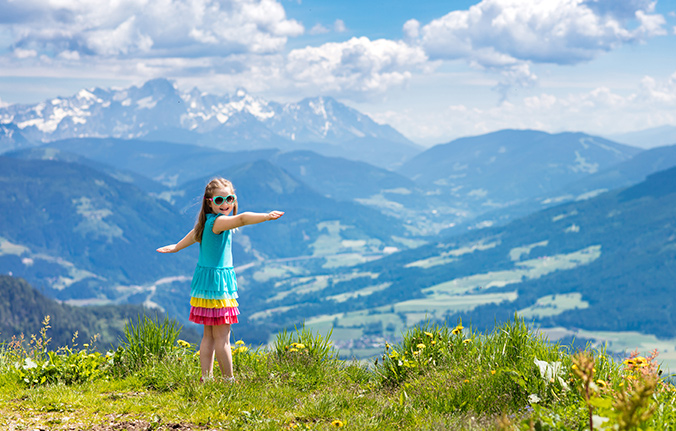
[436,378]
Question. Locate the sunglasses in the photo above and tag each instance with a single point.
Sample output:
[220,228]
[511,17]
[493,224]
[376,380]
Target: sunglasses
[218,200]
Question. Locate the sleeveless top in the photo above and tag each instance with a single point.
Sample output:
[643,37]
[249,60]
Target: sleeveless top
[213,292]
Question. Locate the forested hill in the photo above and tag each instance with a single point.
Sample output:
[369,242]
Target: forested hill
[23,309]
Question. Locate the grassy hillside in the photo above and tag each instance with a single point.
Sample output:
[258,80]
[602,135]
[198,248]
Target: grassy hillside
[437,378]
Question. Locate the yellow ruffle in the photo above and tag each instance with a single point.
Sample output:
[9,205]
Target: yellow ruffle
[213,303]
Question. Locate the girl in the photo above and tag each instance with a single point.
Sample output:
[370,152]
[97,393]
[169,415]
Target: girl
[213,291]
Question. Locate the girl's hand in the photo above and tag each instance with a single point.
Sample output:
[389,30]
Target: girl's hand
[168,249]
[274,215]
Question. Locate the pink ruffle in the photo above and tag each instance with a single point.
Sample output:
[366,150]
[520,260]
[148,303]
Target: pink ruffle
[213,321]
[214,312]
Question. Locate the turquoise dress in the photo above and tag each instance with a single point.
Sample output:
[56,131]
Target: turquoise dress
[213,293]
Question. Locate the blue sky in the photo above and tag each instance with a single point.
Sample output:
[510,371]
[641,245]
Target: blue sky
[435,70]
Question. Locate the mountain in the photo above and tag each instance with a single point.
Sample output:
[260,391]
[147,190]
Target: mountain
[158,111]
[480,173]
[76,232]
[175,164]
[23,310]
[12,137]
[122,175]
[623,174]
[603,264]
[167,163]
[648,138]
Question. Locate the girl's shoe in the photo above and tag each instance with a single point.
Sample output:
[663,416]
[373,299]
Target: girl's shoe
[229,379]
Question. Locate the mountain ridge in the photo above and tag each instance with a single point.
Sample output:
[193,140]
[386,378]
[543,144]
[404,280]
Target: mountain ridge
[157,110]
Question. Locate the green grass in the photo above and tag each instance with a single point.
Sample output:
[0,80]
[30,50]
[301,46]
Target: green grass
[436,378]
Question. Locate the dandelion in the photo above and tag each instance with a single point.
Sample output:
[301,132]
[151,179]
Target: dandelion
[337,423]
[300,346]
[293,349]
[239,342]
[420,346]
[601,383]
[387,346]
[429,334]
[458,329]
[434,342]
[183,343]
[467,341]
[493,372]
[466,381]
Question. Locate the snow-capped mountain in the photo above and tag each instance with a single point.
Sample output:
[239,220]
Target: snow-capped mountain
[159,111]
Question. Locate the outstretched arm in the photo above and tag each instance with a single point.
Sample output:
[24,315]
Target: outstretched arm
[227,223]
[187,241]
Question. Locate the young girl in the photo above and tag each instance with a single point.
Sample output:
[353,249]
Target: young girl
[213,291]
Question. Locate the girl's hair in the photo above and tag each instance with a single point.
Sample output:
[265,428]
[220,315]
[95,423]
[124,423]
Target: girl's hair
[209,192]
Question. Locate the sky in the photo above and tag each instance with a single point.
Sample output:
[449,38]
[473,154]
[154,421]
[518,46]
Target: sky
[434,70]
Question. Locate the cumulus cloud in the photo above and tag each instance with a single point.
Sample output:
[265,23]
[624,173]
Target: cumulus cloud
[148,28]
[504,36]
[358,65]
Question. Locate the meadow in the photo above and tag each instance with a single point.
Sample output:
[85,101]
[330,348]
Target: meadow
[436,378]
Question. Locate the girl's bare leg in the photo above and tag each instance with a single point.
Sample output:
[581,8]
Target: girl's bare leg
[221,335]
[207,353]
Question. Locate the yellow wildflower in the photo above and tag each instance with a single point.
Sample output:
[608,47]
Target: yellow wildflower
[293,349]
[466,381]
[429,334]
[337,423]
[183,343]
[458,329]
[239,342]
[601,383]
[492,372]
[434,342]
[421,346]
[467,341]
[387,346]
[300,346]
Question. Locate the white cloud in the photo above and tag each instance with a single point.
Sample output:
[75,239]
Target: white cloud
[155,28]
[599,111]
[25,53]
[411,29]
[318,29]
[358,65]
[339,26]
[505,36]
[552,31]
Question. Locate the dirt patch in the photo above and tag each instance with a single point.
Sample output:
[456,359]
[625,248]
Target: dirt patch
[140,425]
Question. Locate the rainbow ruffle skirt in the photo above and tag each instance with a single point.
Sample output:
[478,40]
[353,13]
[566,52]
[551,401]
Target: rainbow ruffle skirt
[213,296]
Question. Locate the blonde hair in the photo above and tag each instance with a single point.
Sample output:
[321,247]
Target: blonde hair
[209,191]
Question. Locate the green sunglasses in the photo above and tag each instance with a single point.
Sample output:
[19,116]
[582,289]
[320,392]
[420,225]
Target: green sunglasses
[218,200]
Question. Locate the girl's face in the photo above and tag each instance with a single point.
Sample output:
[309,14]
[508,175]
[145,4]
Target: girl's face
[225,207]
